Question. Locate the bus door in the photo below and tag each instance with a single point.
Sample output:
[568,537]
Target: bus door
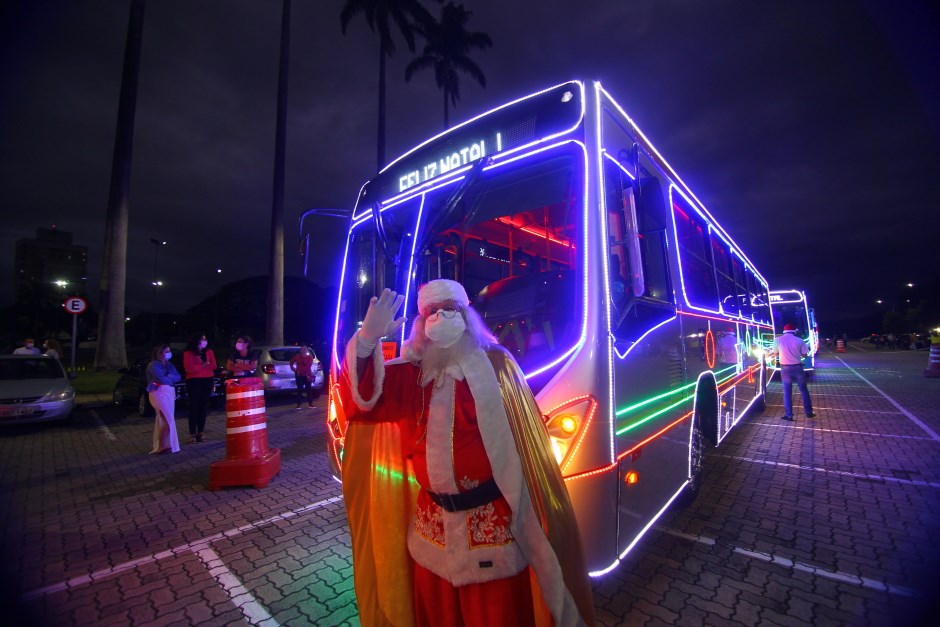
[647,362]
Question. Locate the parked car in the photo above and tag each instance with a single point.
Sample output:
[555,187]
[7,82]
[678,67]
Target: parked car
[34,388]
[274,368]
[132,387]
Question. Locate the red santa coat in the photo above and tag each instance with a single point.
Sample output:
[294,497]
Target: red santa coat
[479,421]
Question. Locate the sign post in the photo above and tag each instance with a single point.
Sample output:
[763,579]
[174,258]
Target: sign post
[75,305]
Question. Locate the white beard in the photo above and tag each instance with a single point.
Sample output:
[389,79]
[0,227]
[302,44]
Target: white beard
[438,361]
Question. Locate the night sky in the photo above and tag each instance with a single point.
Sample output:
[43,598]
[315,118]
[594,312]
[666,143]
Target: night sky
[811,130]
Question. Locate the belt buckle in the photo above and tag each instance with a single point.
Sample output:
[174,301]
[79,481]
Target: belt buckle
[449,504]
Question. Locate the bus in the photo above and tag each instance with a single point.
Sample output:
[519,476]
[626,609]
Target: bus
[793,307]
[634,315]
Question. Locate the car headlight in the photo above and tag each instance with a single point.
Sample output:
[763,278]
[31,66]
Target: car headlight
[58,396]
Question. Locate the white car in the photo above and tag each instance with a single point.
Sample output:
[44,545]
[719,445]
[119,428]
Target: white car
[33,388]
[274,368]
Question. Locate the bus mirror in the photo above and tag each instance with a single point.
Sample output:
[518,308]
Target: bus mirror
[638,283]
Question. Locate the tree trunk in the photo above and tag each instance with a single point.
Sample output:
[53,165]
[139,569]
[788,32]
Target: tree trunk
[275,318]
[111,353]
[380,143]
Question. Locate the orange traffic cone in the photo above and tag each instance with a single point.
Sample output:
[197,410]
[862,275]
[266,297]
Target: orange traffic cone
[248,460]
[933,362]
[840,346]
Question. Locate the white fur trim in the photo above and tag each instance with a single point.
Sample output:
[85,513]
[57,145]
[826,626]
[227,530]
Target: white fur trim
[378,365]
[507,471]
[440,290]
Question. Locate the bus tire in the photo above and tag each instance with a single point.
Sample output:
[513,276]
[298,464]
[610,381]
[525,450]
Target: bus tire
[706,410]
[696,465]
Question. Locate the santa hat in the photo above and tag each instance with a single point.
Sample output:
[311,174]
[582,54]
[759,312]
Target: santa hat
[440,290]
[789,328]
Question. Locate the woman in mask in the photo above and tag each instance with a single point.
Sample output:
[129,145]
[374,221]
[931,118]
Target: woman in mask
[242,362]
[162,376]
[199,364]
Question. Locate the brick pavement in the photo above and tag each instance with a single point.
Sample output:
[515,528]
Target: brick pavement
[822,522]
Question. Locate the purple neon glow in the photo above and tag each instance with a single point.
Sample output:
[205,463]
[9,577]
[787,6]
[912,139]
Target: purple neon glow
[411,259]
[503,106]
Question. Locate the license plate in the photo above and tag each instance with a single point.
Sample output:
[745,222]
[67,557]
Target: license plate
[16,411]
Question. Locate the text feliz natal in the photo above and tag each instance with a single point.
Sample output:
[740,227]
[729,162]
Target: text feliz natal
[457,158]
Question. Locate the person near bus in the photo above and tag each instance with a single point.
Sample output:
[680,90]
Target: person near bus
[448,474]
[162,377]
[199,364]
[302,366]
[790,350]
[242,362]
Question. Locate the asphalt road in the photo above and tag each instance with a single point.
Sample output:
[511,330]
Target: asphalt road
[829,521]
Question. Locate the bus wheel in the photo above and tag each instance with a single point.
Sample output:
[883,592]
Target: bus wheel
[696,466]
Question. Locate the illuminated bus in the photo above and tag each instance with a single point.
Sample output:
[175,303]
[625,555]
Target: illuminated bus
[792,306]
[633,313]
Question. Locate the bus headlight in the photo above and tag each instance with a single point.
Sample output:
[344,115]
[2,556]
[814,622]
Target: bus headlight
[567,424]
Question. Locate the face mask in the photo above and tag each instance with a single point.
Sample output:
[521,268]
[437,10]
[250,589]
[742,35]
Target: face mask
[240,346]
[167,355]
[445,332]
[203,344]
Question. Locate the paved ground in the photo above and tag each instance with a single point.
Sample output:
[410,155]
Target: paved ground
[829,521]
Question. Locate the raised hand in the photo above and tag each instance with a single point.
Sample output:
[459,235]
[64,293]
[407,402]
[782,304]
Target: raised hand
[380,318]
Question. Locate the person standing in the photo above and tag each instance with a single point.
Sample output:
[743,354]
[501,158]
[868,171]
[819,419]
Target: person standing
[790,350]
[52,348]
[490,514]
[242,362]
[199,364]
[302,366]
[28,348]
[161,379]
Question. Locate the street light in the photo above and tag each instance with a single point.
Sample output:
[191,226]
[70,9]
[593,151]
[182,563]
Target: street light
[153,309]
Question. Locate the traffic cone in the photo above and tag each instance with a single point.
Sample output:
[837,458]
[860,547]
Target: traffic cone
[840,346]
[248,460]
[933,362]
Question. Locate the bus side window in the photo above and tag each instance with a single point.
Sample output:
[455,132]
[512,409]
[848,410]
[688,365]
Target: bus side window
[652,220]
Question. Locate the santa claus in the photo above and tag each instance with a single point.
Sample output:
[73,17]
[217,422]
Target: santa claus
[457,510]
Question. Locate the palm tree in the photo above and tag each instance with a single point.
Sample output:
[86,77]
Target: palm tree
[111,353]
[446,52]
[275,317]
[407,15]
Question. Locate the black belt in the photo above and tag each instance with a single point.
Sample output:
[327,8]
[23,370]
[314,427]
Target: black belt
[484,493]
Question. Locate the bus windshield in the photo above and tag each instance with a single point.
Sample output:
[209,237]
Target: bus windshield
[511,235]
[791,313]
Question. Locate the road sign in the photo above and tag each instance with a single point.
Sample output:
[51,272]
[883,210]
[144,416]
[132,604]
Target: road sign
[75,305]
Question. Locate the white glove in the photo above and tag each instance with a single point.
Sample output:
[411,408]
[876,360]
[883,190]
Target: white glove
[380,317]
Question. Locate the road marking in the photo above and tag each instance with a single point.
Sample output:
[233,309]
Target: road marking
[913,418]
[103,427]
[190,547]
[254,612]
[686,536]
[866,411]
[877,435]
[845,473]
[836,575]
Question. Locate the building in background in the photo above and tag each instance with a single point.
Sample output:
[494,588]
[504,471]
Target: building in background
[50,262]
